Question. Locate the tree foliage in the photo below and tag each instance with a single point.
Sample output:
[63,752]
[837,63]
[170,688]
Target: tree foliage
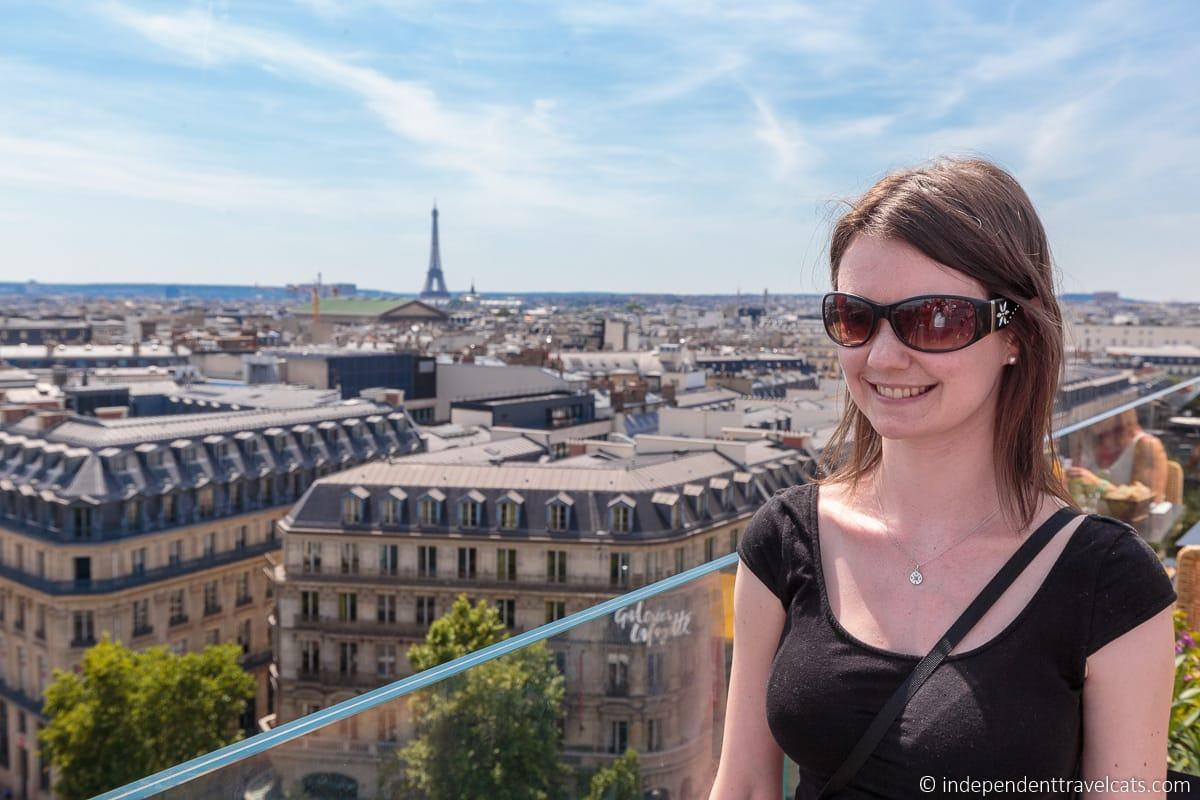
[491,731]
[620,780]
[129,714]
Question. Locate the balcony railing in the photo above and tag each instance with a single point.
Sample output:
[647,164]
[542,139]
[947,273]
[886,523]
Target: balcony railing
[683,622]
[139,578]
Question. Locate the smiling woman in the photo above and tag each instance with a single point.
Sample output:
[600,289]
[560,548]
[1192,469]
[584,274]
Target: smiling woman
[939,497]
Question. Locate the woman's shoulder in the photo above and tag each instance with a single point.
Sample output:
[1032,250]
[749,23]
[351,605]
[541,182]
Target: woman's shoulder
[775,536]
[1128,583]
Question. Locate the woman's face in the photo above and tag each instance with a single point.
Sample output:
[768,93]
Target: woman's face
[964,382]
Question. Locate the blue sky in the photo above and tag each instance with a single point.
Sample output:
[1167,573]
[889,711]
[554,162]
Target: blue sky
[670,145]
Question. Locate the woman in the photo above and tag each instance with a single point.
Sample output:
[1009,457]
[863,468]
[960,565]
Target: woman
[936,477]
[1128,453]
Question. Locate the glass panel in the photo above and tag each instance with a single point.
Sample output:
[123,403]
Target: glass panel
[651,676]
[1135,464]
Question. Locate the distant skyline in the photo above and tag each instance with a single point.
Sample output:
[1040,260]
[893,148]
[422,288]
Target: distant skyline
[657,147]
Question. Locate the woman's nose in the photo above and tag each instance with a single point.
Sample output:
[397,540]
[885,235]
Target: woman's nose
[887,351]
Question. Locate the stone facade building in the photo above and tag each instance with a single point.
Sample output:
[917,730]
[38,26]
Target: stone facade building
[374,554]
[154,530]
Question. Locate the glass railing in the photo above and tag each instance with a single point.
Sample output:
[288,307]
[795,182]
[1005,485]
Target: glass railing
[646,671]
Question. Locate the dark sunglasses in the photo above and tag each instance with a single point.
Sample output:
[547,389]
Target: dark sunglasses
[931,323]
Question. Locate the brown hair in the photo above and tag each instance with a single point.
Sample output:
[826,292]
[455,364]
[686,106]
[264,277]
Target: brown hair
[973,217]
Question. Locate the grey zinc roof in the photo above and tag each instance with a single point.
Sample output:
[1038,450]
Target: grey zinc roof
[589,492]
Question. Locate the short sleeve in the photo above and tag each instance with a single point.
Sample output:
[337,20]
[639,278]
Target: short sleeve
[761,548]
[1131,587]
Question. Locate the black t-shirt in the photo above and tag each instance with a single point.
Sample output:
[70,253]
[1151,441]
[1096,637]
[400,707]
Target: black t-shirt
[1007,709]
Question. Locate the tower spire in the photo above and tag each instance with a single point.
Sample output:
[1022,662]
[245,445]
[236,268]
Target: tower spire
[435,282]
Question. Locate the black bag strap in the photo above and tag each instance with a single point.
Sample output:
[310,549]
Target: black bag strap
[975,611]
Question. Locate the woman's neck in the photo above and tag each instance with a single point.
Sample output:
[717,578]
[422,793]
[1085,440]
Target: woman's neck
[931,492]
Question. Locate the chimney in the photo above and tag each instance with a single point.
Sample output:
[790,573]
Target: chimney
[11,415]
[112,412]
[49,420]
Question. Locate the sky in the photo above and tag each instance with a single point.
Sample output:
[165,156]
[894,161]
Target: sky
[661,146]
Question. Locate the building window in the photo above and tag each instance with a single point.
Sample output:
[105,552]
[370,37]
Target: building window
[426,610]
[509,515]
[39,623]
[243,635]
[654,735]
[555,610]
[618,569]
[349,558]
[310,606]
[212,602]
[618,673]
[83,628]
[204,502]
[470,513]
[167,507]
[210,544]
[177,607]
[710,546]
[347,658]
[310,657]
[354,509]
[426,561]
[679,560]
[141,617]
[389,559]
[175,553]
[559,514]
[506,564]
[385,606]
[733,539]
[556,566]
[243,588]
[618,736]
[213,636]
[429,510]
[137,561]
[466,563]
[241,538]
[312,558]
[347,607]
[385,659]
[655,677]
[393,511]
[621,518]
[133,515]
[508,611]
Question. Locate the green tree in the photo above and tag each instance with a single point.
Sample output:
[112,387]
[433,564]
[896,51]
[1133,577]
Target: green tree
[491,731]
[620,780]
[129,714]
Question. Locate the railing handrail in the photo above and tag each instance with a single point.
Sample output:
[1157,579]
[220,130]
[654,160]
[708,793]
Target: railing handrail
[230,754]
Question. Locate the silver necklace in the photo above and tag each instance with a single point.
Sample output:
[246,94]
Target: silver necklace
[916,577]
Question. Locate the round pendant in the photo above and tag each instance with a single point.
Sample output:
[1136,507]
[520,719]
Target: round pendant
[915,577]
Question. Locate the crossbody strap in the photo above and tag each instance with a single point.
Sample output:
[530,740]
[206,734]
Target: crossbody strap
[975,611]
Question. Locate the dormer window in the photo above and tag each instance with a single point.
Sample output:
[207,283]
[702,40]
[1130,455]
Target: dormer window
[393,506]
[694,493]
[429,507]
[620,514]
[470,510]
[669,502]
[720,488]
[510,511]
[558,512]
[354,506]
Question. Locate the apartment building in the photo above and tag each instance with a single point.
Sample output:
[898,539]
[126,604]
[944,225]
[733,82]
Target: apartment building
[375,554]
[154,530]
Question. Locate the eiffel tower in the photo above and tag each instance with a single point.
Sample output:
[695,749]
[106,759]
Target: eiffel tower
[435,282]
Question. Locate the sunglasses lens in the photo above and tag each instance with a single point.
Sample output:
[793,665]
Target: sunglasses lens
[935,323]
[847,319]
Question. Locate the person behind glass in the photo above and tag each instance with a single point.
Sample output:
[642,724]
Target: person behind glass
[1120,447]
[935,476]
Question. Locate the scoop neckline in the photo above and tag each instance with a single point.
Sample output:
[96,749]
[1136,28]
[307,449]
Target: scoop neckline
[827,608]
